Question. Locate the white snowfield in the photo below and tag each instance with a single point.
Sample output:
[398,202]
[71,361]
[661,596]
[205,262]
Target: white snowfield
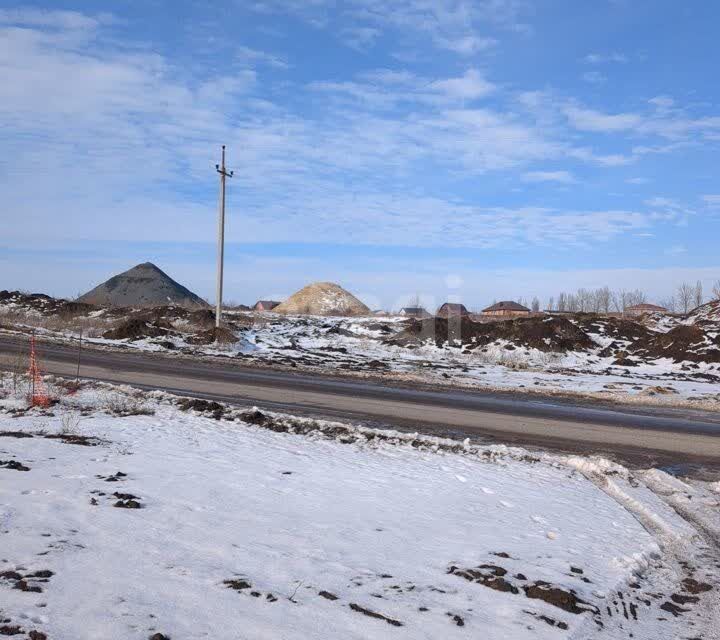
[291,528]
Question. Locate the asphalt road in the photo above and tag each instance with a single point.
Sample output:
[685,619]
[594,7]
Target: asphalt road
[635,436]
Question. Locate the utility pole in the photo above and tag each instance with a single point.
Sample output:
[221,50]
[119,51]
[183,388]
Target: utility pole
[220,168]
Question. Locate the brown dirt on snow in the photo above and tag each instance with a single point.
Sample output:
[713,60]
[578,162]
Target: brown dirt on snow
[211,336]
[683,343]
[135,329]
[543,333]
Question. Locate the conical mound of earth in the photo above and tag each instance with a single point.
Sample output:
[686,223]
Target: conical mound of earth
[323,299]
[145,285]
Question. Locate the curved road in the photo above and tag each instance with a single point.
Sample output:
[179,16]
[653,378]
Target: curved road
[636,436]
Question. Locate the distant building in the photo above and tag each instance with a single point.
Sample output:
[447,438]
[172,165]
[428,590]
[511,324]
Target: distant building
[265,305]
[415,312]
[452,310]
[506,308]
[640,309]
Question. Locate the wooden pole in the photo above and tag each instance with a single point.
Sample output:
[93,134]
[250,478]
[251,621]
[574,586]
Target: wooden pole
[221,237]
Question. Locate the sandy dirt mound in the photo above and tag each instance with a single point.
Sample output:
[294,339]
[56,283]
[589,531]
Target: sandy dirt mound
[323,299]
[145,285]
[545,334]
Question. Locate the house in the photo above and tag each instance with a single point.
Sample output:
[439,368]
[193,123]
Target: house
[415,312]
[506,308]
[452,310]
[640,309]
[265,305]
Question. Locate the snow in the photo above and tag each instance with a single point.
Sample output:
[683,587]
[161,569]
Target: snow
[375,518]
[357,347]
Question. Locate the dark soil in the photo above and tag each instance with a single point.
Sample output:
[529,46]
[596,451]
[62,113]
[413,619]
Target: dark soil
[212,336]
[487,575]
[237,584]
[127,501]
[683,343]
[547,333]
[82,441]
[327,595]
[14,465]
[135,329]
[565,600]
[373,614]
[693,586]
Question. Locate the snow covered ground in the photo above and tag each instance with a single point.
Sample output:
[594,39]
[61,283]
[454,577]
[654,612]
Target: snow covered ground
[364,347]
[255,525]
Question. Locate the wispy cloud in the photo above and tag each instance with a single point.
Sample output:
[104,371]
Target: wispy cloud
[564,177]
[604,58]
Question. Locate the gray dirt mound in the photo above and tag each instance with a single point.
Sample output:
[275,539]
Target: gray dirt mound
[692,343]
[545,334]
[145,285]
[135,329]
[323,299]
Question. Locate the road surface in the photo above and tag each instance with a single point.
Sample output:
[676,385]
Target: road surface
[635,436]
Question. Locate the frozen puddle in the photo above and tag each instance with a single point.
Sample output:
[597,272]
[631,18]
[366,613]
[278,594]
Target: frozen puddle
[189,526]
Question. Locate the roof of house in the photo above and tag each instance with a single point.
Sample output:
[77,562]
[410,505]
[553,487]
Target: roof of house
[506,305]
[454,307]
[266,303]
[645,306]
[413,310]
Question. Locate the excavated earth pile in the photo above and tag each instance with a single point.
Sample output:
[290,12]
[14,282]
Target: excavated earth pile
[542,333]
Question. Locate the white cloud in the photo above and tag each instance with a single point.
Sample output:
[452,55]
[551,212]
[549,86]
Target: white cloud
[468,87]
[28,17]
[600,58]
[564,177]
[637,180]
[596,121]
[247,54]
[712,200]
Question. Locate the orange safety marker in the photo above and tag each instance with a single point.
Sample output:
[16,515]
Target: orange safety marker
[38,394]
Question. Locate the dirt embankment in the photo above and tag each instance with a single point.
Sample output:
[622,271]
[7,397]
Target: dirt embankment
[692,343]
[548,333]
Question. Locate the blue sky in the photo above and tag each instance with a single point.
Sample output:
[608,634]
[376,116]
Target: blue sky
[469,150]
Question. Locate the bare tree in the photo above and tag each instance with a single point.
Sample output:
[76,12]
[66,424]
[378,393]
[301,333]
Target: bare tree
[685,295]
[535,306]
[623,299]
[551,303]
[602,300]
[562,302]
[716,290]
[670,304]
[698,294]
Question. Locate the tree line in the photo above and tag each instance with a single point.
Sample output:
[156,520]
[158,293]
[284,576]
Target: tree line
[686,297]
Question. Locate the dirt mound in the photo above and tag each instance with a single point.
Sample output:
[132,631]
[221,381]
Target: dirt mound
[705,314]
[44,304]
[323,299]
[213,335]
[611,327]
[693,343]
[145,285]
[545,334]
[135,329]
